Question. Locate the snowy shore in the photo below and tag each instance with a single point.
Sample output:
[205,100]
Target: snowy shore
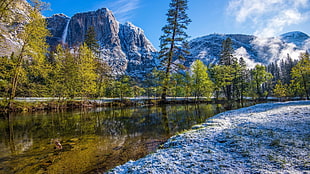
[265,138]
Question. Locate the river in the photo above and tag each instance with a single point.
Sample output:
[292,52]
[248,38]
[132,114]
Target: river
[94,140]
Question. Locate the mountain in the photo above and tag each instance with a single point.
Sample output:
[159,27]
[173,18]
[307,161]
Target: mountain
[253,49]
[127,50]
[123,46]
[12,26]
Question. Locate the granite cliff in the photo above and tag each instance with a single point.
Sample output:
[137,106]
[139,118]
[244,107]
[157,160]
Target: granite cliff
[123,46]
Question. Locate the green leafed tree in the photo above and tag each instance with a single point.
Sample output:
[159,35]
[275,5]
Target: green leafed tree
[301,74]
[33,49]
[222,77]
[65,76]
[173,40]
[86,71]
[201,84]
[259,77]
[280,90]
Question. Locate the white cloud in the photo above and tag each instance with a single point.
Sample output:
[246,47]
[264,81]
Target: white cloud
[269,17]
[122,9]
[307,45]
[273,49]
[241,52]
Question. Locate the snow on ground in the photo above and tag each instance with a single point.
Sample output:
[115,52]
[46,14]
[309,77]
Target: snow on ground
[265,138]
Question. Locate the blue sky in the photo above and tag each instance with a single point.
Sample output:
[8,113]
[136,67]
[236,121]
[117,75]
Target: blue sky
[259,17]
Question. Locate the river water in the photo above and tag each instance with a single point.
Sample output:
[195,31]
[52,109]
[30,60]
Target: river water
[92,140]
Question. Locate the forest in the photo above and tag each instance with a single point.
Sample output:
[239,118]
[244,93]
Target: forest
[68,73]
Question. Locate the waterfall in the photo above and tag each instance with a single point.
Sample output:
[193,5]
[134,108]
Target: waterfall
[65,33]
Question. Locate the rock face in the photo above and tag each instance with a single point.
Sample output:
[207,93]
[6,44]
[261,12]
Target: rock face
[56,25]
[253,49]
[123,46]
[138,49]
[12,27]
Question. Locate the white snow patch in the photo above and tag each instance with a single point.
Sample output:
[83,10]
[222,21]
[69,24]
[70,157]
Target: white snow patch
[265,138]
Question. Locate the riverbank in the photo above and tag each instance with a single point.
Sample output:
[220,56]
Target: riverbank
[46,104]
[265,138]
[33,105]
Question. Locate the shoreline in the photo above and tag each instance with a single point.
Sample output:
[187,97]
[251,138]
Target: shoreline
[34,105]
[264,138]
[53,104]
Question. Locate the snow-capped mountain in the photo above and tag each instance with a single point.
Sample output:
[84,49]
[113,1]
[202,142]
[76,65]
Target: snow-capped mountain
[123,46]
[127,50]
[253,49]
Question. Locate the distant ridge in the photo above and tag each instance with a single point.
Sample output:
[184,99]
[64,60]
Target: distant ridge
[252,48]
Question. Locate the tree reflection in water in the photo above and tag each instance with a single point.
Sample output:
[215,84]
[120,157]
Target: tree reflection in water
[92,141]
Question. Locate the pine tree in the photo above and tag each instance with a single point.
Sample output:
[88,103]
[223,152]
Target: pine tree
[91,41]
[173,39]
[103,71]
[226,57]
[243,78]
[152,83]
[202,85]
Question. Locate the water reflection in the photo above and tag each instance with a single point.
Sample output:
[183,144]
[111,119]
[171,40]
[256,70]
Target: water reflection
[91,141]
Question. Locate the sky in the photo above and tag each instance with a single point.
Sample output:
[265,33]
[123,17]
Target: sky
[265,18]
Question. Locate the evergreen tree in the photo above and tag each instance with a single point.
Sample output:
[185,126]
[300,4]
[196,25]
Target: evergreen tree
[202,85]
[236,81]
[242,79]
[226,57]
[153,82]
[91,41]
[173,39]
[103,71]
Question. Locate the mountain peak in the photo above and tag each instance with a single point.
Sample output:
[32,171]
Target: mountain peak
[60,15]
[296,37]
[295,34]
[123,46]
[253,49]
